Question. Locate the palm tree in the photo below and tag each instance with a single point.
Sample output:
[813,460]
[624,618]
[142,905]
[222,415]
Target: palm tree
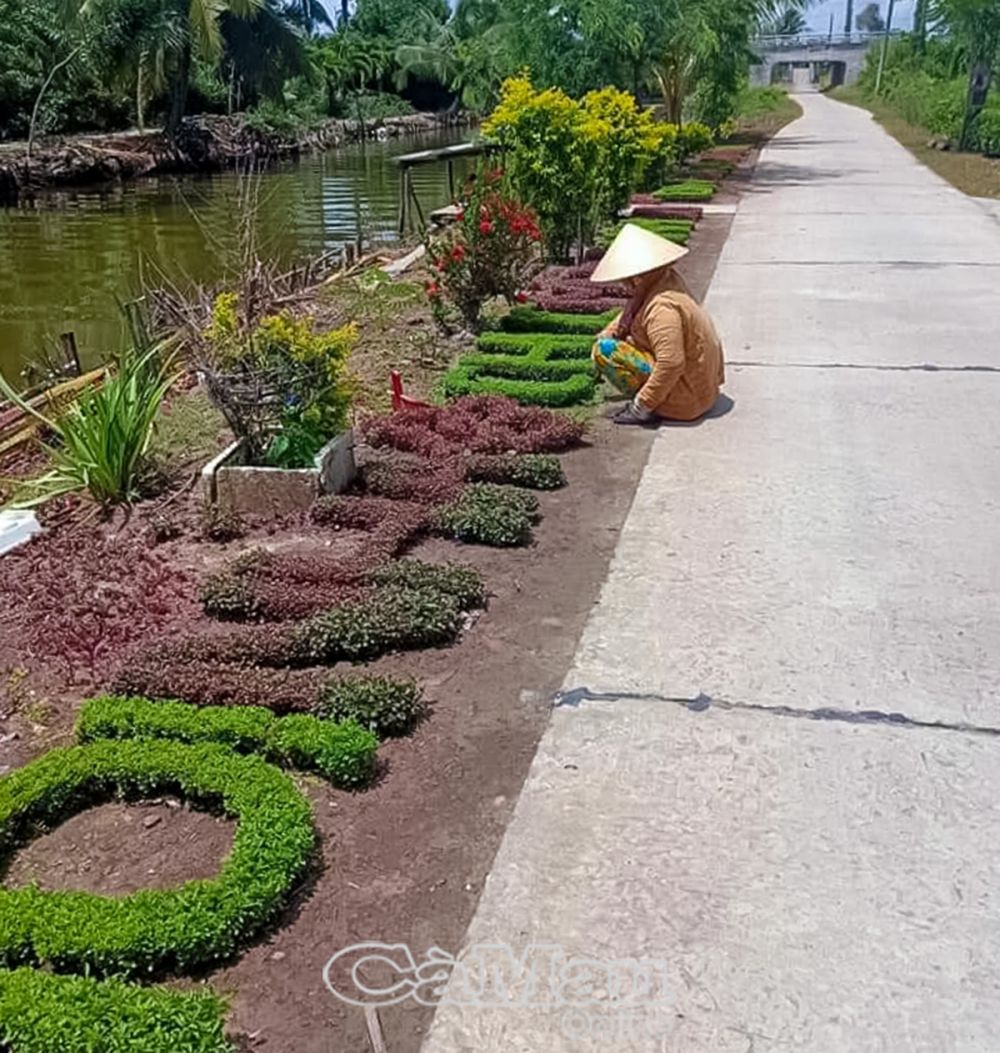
[791,22]
[199,28]
[467,55]
[168,35]
[263,52]
[309,14]
[350,62]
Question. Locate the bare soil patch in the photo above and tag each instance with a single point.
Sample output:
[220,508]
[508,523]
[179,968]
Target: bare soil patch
[115,849]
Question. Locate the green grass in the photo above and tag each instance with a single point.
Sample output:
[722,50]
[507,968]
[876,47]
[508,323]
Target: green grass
[186,431]
[686,190]
[761,112]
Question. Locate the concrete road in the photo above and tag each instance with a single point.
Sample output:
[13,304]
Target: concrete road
[783,779]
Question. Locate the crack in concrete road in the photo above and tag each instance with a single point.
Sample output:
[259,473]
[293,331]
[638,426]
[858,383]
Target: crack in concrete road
[701,703]
[927,367]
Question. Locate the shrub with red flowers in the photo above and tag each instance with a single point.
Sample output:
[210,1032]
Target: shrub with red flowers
[491,251]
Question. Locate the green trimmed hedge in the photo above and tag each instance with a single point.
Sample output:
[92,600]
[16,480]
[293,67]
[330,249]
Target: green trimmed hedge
[676,230]
[540,347]
[554,394]
[44,1013]
[486,514]
[343,753]
[153,930]
[530,471]
[687,190]
[465,584]
[526,367]
[387,707]
[542,369]
[532,320]
[391,619]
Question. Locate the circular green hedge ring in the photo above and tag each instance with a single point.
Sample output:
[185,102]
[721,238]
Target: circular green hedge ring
[153,930]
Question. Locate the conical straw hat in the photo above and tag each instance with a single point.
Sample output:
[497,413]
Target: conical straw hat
[636,251]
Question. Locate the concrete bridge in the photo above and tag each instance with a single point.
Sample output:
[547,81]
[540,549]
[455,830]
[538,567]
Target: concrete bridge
[805,59]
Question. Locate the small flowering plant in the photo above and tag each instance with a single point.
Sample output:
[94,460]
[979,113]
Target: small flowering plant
[492,250]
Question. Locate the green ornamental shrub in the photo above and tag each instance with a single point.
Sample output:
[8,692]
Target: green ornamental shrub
[391,619]
[42,1012]
[485,514]
[527,366]
[384,706]
[541,346]
[576,162]
[532,320]
[573,391]
[153,930]
[693,138]
[531,471]
[687,190]
[542,369]
[342,753]
[676,230]
[463,583]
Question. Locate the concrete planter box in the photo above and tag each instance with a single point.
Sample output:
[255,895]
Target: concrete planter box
[229,482]
[16,528]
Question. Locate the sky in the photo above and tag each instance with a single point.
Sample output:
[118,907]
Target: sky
[819,14]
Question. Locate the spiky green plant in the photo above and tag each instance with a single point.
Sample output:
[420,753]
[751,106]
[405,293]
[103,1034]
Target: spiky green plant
[100,443]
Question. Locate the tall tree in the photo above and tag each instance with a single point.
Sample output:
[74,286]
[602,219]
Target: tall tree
[976,25]
[869,19]
[920,13]
[469,54]
[790,22]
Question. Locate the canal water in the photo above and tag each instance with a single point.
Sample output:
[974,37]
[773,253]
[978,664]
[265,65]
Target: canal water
[67,265]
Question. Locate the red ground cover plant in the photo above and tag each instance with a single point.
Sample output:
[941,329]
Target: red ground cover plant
[81,601]
[546,301]
[413,479]
[569,290]
[477,424]
[161,676]
[651,207]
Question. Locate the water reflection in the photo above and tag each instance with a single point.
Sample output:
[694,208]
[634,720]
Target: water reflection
[63,266]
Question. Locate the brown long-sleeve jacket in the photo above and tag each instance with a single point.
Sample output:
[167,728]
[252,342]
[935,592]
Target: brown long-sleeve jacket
[689,369]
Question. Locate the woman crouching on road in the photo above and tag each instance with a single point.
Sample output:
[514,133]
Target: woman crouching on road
[663,350]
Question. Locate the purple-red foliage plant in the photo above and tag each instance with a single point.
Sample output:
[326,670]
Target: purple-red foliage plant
[81,601]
